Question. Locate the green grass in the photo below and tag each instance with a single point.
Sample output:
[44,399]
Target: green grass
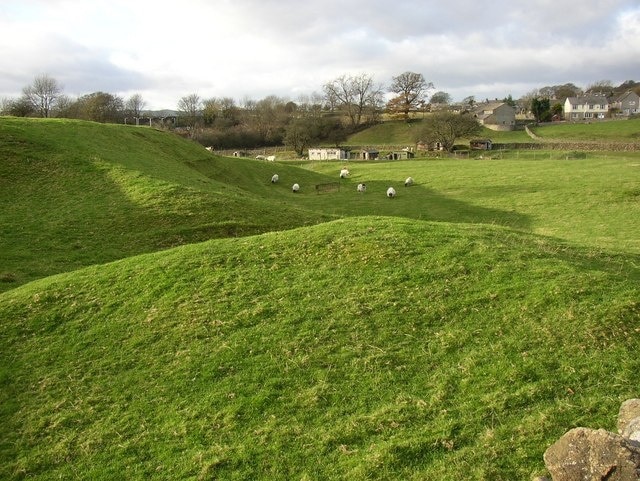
[592,201]
[78,193]
[368,348]
[453,332]
[617,131]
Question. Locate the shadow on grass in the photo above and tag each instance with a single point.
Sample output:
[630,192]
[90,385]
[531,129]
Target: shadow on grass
[415,202]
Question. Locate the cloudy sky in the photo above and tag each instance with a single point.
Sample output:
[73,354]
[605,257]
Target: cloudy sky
[248,49]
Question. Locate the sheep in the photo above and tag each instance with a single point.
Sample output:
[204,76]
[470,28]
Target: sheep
[344,173]
[391,192]
[408,182]
[260,157]
[275,178]
[271,158]
[362,187]
[295,188]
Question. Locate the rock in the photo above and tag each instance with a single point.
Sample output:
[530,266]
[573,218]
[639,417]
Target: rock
[629,410]
[632,430]
[584,454]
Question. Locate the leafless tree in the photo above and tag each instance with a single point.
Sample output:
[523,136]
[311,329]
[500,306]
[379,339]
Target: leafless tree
[411,89]
[601,87]
[134,105]
[191,106]
[446,127]
[355,94]
[42,94]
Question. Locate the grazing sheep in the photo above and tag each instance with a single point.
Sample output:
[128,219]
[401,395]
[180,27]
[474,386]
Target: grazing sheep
[271,158]
[362,187]
[275,178]
[408,182]
[295,188]
[344,173]
[260,157]
[391,192]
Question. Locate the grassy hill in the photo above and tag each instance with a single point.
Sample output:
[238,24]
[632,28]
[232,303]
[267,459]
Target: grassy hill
[616,131]
[368,348]
[453,332]
[78,193]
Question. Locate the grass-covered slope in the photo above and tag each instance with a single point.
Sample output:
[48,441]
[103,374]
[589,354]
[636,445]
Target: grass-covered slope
[75,193]
[368,348]
[610,131]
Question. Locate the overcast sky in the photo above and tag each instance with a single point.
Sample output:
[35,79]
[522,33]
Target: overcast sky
[249,49]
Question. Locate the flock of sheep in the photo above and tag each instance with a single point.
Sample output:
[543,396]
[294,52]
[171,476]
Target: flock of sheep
[344,173]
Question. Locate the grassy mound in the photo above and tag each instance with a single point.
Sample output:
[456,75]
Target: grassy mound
[368,348]
[77,193]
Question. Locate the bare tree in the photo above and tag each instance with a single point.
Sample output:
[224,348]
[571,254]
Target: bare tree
[601,87]
[134,105]
[446,127]
[190,106]
[42,94]
[355,95]
[411,89]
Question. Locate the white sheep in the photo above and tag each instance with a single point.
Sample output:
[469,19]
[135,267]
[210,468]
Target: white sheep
[275,178]
[408,182]
[271,158]
[295,188]
[391,192]
[362,187]
[344,173]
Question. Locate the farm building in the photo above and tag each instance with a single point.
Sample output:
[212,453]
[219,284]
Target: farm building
[366,154]
[425,146]
[328,154]
[480,144]
[400,155]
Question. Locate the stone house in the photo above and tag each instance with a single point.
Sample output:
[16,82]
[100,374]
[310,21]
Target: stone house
[496,115]
[626,104]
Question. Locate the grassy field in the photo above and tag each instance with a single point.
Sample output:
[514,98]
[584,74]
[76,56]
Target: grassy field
[204,323]
[618,131]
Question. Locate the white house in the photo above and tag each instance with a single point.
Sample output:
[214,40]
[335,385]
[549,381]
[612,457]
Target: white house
[328,154]
[589,107]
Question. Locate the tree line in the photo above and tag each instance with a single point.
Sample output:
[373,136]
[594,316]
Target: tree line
[345,105]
